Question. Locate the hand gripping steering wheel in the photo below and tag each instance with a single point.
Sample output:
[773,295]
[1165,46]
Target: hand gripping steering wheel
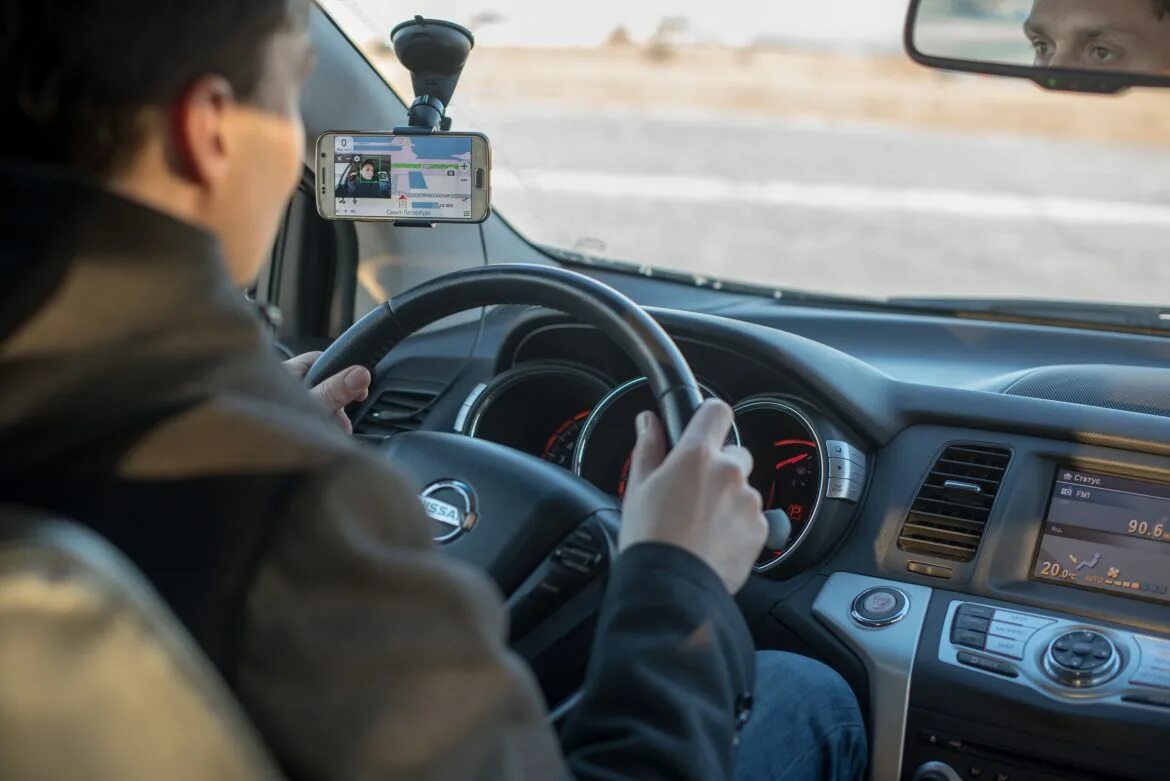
[542,533]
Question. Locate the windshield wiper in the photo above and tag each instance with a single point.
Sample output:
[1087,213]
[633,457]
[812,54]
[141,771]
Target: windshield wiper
[1077,314]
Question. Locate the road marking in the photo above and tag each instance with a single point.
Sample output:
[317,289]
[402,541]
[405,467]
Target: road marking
[724,194]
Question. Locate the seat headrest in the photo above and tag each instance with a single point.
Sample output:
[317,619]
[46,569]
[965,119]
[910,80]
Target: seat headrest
[100,680]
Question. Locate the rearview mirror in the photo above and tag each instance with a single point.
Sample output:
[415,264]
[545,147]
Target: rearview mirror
[1079,45]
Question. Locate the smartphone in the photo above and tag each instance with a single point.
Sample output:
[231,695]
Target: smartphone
[439,177]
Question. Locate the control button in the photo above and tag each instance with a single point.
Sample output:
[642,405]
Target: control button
[1154,669]
[982,611]
[930,570]
[1012,631]
[849,490]
[968,637]
[839,449]
[844,469]
[1005,646]
[1153,700]
[1022,619]
[880,606]
[1082,658]
[990,665]
[971,622]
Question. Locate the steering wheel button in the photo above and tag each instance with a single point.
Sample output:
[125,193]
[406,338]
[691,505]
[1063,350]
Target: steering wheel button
[1062,646]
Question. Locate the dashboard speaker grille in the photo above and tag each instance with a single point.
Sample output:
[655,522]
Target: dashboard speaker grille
[399,407]
[951,510]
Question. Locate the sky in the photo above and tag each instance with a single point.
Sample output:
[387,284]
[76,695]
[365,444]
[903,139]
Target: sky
[847,24]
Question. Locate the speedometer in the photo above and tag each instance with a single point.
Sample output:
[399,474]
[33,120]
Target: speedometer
[561,444]
[607,440]
[789,467]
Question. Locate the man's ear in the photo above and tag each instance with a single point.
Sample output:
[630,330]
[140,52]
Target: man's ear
[199,130]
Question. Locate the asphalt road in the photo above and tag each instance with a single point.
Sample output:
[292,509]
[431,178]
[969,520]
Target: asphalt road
[857,210]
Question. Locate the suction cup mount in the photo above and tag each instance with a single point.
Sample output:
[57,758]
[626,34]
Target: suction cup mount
[434,51]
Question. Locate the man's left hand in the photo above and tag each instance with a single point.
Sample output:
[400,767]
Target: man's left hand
[345,387]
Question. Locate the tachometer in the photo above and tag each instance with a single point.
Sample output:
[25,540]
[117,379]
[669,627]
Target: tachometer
[789,465]
[539,409]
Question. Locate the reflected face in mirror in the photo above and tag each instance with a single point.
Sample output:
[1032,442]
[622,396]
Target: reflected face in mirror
[1118,35]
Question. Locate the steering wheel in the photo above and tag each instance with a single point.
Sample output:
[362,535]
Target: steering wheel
[541,532]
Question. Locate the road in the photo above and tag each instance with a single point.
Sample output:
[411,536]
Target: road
[858,210]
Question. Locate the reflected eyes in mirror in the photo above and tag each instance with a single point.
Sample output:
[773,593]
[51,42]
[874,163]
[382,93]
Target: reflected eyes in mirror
[1044,50]
[1084,45]
[1102,55]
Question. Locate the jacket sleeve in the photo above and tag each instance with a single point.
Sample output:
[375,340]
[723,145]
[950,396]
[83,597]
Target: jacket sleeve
[670,675]
[367,654]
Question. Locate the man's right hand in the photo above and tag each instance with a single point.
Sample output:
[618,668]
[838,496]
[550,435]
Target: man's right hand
[698,496]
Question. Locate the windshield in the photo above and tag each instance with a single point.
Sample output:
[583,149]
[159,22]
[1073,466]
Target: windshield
[793,144]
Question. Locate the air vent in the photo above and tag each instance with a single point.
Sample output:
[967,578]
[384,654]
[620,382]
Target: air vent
[400,407]
[952,507]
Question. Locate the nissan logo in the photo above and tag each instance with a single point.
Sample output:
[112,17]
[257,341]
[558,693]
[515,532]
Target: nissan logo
[450,504]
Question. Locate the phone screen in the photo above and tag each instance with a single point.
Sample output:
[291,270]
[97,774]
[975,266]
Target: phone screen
[425,177]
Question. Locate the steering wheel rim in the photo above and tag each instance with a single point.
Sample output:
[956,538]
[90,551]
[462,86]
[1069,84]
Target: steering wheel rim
[369,340]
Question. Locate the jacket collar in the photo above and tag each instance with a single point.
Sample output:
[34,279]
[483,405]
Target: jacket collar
[107,308]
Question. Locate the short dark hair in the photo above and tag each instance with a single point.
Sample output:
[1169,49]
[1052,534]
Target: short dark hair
[75,75]
[1161,7]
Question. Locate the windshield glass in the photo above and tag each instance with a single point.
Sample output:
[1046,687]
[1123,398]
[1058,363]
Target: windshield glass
[794,145]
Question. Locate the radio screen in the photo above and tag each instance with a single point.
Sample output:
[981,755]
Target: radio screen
[1107,534]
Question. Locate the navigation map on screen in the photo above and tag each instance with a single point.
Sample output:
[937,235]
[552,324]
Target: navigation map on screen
[424,177]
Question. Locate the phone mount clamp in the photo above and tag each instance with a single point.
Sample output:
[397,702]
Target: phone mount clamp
[434,51]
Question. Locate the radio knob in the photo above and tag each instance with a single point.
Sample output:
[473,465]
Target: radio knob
[1082,658]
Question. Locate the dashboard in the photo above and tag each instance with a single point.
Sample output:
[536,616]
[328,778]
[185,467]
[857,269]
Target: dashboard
[966,545]
[564,397]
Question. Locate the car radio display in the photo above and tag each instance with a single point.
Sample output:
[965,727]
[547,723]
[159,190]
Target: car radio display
[1107,534]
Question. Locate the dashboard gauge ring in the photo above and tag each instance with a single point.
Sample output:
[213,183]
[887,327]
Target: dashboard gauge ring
[488,396]
[776,405]
[607,401]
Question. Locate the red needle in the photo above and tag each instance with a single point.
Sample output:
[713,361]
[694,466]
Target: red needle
[791,461]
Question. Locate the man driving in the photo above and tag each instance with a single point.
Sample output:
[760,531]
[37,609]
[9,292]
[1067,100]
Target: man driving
[1119,35]
[140,396]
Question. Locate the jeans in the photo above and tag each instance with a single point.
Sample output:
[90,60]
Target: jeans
[805,724]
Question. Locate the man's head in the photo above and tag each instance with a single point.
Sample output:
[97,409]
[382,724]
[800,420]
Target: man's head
[176,103]
[1125,35]
[368,171]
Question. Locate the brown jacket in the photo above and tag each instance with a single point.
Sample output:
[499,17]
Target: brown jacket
[139,395]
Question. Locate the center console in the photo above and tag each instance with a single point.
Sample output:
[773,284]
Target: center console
[1041,655]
